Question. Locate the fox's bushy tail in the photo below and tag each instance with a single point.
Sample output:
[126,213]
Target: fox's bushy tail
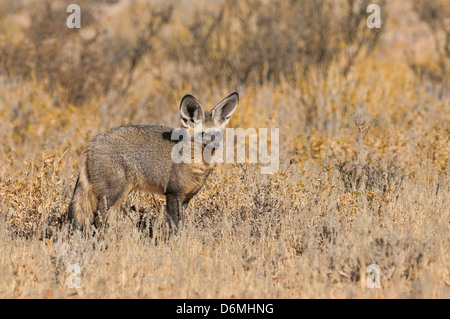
[84,202]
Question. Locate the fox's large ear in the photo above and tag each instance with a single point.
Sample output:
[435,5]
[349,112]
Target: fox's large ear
[222,111]
[191,111]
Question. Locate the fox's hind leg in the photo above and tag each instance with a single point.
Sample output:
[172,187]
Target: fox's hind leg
[112,199]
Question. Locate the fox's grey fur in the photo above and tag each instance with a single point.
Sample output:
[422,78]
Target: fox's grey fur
[138,157]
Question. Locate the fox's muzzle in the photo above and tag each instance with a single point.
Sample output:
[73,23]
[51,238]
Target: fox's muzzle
[212,139]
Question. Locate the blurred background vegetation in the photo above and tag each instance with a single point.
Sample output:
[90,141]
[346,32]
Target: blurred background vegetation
[200,42]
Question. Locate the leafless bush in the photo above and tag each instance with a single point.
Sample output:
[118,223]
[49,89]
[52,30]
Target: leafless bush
[435,14]
[240,39]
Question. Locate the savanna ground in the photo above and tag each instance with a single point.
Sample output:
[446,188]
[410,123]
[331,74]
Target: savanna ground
[364,119]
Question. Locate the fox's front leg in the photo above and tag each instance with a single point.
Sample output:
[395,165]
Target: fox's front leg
[174,210]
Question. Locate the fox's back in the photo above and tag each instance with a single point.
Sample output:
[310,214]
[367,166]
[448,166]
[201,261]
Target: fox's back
[136,153]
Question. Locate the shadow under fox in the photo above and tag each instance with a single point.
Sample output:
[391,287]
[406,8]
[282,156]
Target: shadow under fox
[139,158]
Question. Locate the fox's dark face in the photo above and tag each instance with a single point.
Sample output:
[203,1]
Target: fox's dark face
[207,127]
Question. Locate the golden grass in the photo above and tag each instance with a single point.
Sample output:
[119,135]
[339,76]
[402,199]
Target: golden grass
[309,231]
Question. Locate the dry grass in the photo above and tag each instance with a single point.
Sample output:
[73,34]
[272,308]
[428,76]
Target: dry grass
[364,175]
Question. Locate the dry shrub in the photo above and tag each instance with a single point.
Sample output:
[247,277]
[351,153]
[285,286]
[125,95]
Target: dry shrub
[263,40]
[434,14]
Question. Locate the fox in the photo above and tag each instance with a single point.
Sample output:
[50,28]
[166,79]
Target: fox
[140,158]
